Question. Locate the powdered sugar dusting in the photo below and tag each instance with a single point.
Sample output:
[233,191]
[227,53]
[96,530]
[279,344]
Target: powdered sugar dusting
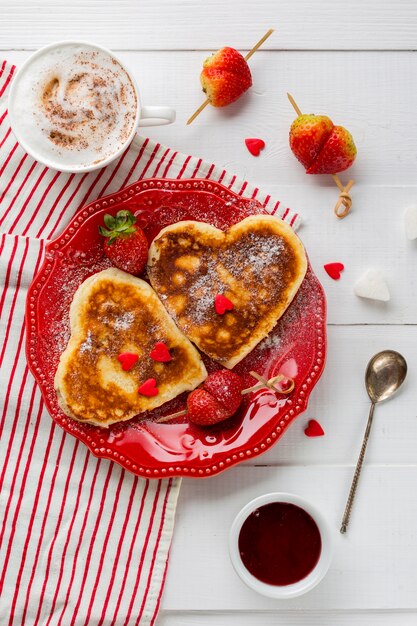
[272,341]
[124,321]
[261,253]
[87,344]
[253,268]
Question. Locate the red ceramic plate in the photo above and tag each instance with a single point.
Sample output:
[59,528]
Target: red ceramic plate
[296,347]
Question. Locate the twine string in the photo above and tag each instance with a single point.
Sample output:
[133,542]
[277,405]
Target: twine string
[344,199]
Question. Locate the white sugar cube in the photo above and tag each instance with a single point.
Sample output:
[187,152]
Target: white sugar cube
[372,285]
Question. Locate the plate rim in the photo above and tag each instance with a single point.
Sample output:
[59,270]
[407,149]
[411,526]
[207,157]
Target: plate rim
[112,201]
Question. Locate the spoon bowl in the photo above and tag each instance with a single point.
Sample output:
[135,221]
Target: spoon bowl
[385,374]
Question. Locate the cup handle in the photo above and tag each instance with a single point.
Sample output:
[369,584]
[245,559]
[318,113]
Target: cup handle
[156,116]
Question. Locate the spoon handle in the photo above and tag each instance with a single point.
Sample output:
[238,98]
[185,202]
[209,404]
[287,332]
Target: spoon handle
[352,492]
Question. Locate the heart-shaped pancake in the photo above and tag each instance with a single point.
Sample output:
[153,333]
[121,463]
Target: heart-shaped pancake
[115,317]
[257,264]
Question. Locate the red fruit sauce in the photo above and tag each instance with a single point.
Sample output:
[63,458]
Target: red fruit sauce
[279,543]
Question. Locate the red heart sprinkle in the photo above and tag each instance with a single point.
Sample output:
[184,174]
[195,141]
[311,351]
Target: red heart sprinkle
[334,269]
[222,304]
[314,429]
[149,388]
[160,353]
[255,145]
[127,359]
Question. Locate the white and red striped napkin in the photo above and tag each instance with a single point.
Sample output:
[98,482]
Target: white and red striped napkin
[82,541]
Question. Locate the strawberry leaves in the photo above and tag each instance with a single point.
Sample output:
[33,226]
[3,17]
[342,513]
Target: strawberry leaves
[121,224]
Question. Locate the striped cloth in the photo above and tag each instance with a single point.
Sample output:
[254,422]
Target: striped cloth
[82,541]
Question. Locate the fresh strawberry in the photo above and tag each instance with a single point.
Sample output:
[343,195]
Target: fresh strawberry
[204,410]
[337,154]
[225,77]
[217,400]
[308,134]
[126,245]
[226,387]
[320,146]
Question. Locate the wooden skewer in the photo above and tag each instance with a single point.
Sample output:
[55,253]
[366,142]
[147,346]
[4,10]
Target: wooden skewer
[270,384]
[200,108]
[247,57]
[294,104]
[168,418]
[344,200]
[259,44]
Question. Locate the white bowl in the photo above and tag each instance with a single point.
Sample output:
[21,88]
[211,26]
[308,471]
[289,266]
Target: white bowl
[294,589]
[30,149]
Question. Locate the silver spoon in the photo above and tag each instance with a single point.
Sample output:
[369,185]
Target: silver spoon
[385,374]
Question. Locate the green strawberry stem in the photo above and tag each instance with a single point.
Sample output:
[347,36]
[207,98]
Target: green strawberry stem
[344,198]
[120,225]
[247,57]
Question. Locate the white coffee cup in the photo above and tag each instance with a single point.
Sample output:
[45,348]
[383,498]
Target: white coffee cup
[145,115]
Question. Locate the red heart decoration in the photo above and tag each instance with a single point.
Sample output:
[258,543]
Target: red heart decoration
[160,353]
[255,145]
[149,388]
[222,304]
[127,359]
[334,269]
[314,429]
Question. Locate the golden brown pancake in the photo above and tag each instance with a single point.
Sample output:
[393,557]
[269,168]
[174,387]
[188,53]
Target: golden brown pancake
[112,313]
[258,264]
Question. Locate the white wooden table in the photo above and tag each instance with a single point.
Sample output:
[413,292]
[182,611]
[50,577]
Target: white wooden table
[355,62]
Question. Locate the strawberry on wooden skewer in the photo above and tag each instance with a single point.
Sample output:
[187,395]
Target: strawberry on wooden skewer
[226,76]
[320,146]
[217,400]
[221,395]
[323,149]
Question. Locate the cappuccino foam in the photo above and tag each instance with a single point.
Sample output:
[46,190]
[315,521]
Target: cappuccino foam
[75,105]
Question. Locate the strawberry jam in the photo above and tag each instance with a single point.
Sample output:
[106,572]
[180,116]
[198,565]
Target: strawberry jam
[279,543]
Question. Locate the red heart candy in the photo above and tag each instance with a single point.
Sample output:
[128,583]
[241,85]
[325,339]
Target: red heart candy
[255,145]
[160,353]
[314,429]
[334,269]
[222,304]
[149,388]
[127,359]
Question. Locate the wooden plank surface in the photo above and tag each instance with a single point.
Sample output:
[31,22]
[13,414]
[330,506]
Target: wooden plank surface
[373,565]
[379,117]
[355,62]
[369,93]
[378,112]
[287,618]
[189,24]
[341,405]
